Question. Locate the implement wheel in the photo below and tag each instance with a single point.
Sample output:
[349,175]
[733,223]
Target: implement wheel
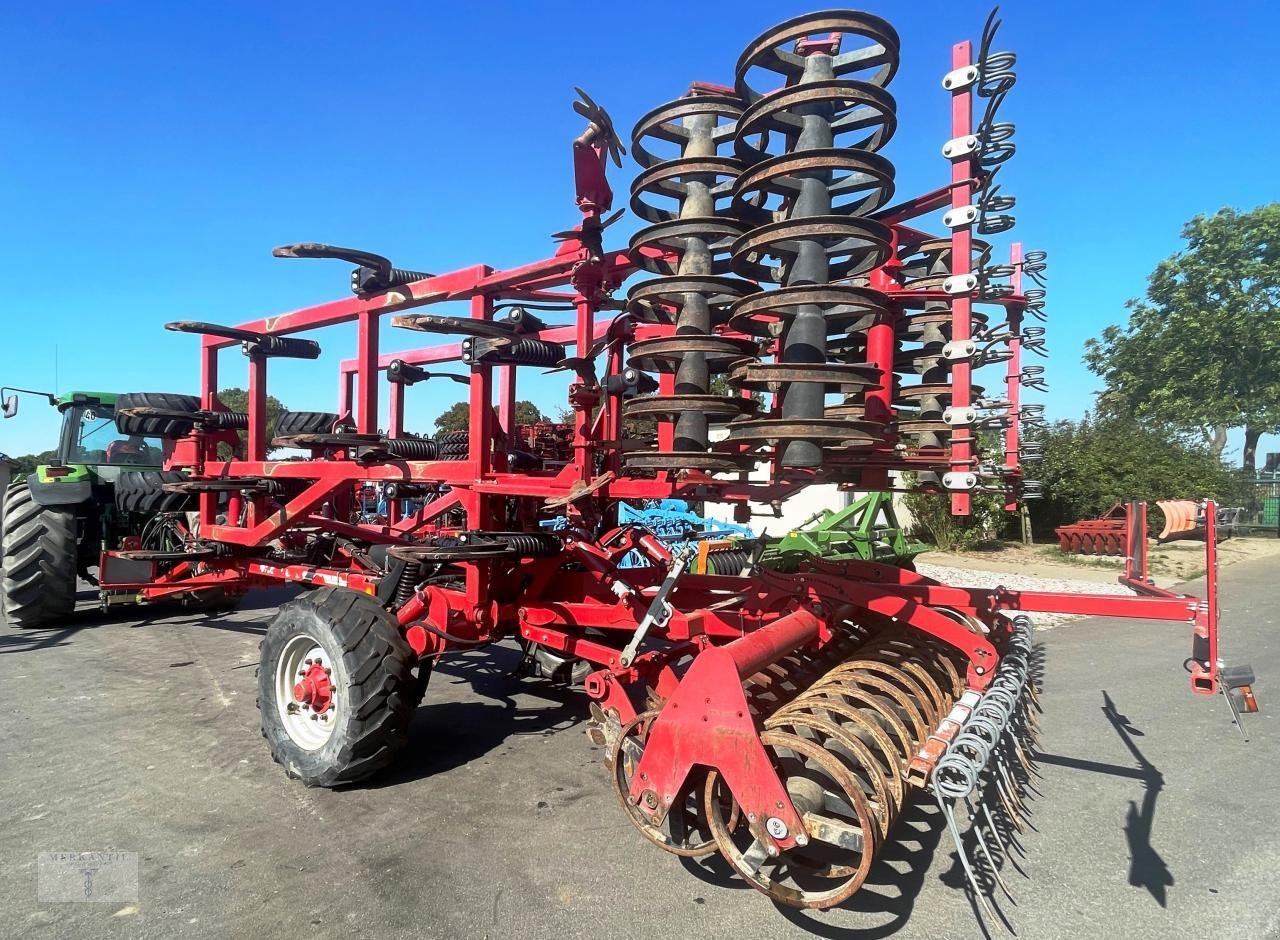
[38,558]
[336,688]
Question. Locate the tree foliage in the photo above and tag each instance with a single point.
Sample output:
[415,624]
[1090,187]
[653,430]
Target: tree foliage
[457,416]
[27,463]
[1201,350]
[931,518]
[1091,464]
[237,399]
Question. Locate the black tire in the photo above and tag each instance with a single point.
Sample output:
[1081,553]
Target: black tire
[143,491]
[304,422]
[151,426]
[38,557]
[372,674]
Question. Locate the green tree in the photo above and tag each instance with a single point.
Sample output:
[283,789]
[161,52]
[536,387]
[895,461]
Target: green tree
[1201,350]
[455,418]
[27,463]
[1091,464]
[237,399]
[527,413]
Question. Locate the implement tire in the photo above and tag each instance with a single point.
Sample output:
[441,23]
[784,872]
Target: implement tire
[143,491]
[38,555]
[304,422]
[153,426]
[369,694]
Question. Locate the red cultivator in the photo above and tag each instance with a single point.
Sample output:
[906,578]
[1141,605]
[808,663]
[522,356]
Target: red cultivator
[780,719]
[1102,536]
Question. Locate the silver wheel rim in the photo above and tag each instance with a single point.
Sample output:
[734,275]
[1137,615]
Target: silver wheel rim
[309,729]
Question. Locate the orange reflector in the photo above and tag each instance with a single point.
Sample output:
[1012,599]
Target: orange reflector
[1243,696]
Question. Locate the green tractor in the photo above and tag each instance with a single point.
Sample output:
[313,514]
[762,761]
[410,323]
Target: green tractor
[106,485]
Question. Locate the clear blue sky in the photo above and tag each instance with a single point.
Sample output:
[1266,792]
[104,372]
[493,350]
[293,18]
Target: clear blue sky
[155,152]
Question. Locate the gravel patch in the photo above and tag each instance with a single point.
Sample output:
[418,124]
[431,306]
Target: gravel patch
[969,577]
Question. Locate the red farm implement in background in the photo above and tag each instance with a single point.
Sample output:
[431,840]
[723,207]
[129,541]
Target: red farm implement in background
[782,720]
[1102,536]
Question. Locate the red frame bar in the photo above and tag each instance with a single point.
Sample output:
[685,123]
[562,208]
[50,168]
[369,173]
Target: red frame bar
[962,189]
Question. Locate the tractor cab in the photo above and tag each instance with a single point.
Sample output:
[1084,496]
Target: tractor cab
[89,435]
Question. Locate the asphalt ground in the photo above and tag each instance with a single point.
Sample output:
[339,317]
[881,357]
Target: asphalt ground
[140,734]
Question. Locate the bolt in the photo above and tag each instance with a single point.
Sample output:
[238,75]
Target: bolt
[328,671]
[802,839]
[773,850]
[776,827]
[306,662]
[314,716]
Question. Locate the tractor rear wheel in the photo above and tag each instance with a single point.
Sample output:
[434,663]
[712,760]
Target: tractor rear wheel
[38,555]
[336,688]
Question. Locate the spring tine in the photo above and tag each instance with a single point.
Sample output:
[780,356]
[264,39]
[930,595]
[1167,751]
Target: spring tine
[1012,841]
[982,843]
[1010,789]
[1017,793]
[1027,762]
[1008,808]
[1003,824]
[949,816]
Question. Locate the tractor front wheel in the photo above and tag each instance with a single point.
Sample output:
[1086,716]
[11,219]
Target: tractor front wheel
[38,558]
[336,689]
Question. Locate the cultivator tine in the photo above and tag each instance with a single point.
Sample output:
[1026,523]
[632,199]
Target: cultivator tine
[981,764]
[982,843]
[948,814]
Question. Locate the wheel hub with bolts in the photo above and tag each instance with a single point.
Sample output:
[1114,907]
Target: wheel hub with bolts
[305,693]
[314,689]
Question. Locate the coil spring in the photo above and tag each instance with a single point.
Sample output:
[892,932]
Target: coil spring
[995,80]
[414,448]
[227,421]
[1035,302]
[1033,340]
[1034,265]
[993,209]
[532,352]
[410,575]
[531,544]
[925,266]
[727,561]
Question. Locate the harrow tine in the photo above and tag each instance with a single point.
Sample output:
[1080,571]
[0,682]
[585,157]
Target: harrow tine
[982,843]
[949,815]
[1011,842]
[1009,805]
